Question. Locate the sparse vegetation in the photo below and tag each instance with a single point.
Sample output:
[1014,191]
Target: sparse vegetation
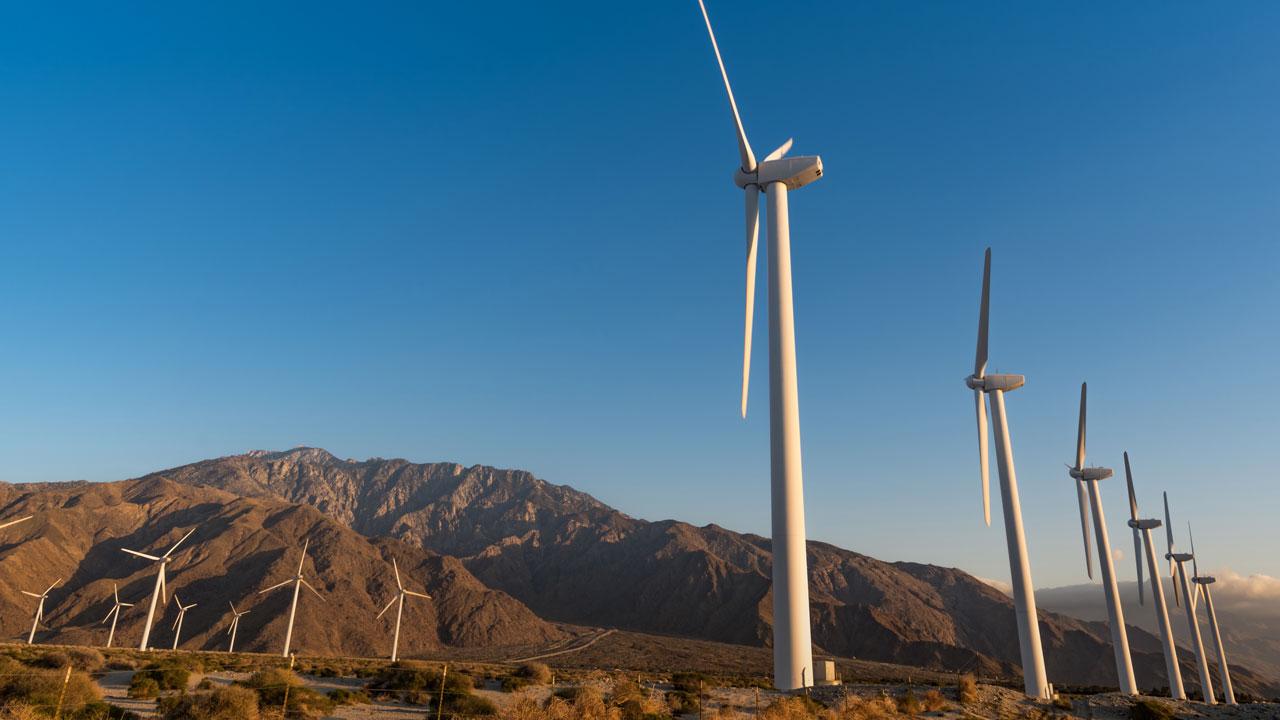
[276,686]
[343,696]
[967,690]
[1150,710]
[167,674]
[224,703]
[909,704]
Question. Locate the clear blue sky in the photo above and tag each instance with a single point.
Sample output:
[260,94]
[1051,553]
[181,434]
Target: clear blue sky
[505,233]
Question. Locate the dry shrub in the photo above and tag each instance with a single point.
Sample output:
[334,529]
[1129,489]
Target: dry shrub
[226,703]
[535,672]
[968,689]
[794,708]
[933,701]
[856,707]
[42,688]
[909,704]
[20,711]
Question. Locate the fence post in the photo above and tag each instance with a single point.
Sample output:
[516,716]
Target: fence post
[444,673]
[65,679]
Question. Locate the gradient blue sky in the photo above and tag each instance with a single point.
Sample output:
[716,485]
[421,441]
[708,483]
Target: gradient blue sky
[505,233]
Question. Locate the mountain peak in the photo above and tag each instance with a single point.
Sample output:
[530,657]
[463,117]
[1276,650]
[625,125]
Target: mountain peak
[300,453]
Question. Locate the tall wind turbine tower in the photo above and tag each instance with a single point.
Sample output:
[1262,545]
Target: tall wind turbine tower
[1035,681]
[114,614]
[1204,581]
[158,594]
[39,609]
[401,593]
[177,624]
[1142,542]
[776,176]
[235,624]
[1179,561]
[298,581]
[1090,477]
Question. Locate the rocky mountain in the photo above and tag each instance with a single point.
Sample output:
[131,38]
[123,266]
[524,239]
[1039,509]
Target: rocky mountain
[240,545]
[571,558]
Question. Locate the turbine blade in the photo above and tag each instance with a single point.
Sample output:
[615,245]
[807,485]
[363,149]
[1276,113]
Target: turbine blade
[984,314]
[54,585]
[1168,535]
[1137,556]
[116,592]
[176,620]
[109,612]
[984,461]
[126,604]
[781,150]
[180,540]
[417,594]
[388,607]
[15,522]
[273,587]
[304,554]
[753,236]
[1133,497]
[744,148]
[1080,430]
[141,555]
[317,592]
[34,595]
[1195,567]
[164,590]
[233,608]
[1084,527]
[396,569]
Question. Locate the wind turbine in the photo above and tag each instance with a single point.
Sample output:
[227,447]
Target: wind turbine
[1090,477]
[177,624]
[39,609]
[1142,539]
[1180,573]
[114,613]
[776,176]
[235,623]
[298,582]
[1204,581]
[159,593]
[399,598]
[1035,680]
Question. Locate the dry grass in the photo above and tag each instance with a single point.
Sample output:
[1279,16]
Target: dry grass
[967,690]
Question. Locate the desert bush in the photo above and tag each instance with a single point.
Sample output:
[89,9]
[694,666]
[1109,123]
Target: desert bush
[856,707]
[800,707]
[270,686]
[40,689]
[933,701]
[51,659]
[142,687]
[409,676]
[535,672]
[86,659]
[1150,710]
[967,689]
[343,696]
[167,675]
[909,704]
[224,703]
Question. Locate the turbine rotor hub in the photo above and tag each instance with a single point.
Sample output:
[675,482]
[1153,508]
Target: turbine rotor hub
[1001,382]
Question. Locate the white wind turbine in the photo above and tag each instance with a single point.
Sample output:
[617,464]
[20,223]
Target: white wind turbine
[297,581]
[1090,477]
[235,623]
[776,176]
[1142,542]
[1035,680]
[114,613]
[158,594]
[177,624]
[39,609]
[1180,576]
[1203,582]
[399,598]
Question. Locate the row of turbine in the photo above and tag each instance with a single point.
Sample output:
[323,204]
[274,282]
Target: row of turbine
[993,387]
[159,598]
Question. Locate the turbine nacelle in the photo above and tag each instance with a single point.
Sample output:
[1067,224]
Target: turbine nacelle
[794,172]
[1145,524]
[1204,579]
[1180,557]
[993,382]
[1092,473]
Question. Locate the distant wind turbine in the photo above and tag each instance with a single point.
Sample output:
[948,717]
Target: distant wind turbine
[297,581]
[235,623]
[157,595]
[177,624]
[1142,541]
[1089,477]
[39,609]
[399,598]
[1035,680]
[1204,581]
[114,613]
[1179,561]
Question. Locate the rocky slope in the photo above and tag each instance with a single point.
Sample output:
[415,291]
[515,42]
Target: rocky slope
[571,558]
[240,546]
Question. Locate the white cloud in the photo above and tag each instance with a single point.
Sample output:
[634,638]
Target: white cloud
[1252,592]
[1117,555]
[1000,585]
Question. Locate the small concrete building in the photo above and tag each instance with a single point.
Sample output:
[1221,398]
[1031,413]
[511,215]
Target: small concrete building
[824,673]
